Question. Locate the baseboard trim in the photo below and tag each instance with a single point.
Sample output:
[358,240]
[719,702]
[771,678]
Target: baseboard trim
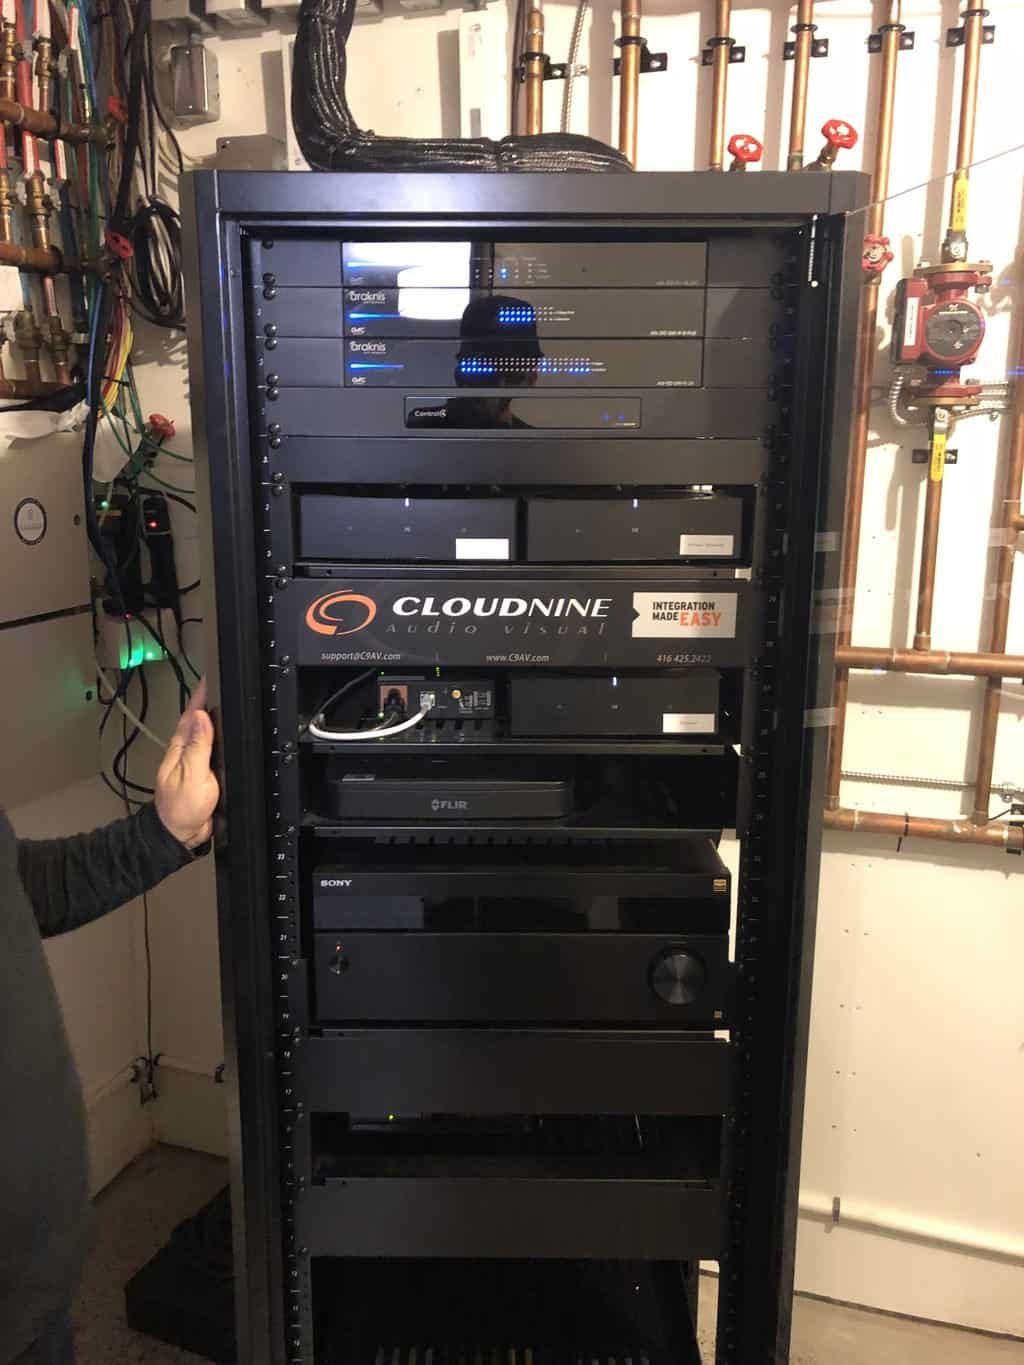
[190,1110]
[120,1128]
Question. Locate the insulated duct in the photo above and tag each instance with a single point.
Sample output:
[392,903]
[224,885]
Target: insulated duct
[331,140]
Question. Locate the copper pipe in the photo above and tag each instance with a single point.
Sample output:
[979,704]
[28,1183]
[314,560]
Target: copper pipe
[45,125]
[931,661]
[929,558]
[721,46]
[6,206]
[533,72]
[853,509]
[804,33]
[630,47]
[955,245]
[890,34]
[39,206]
[8,62]
[57,340]
[997,834]
[43,260]
[974,36]
[1005,556]
[29,340]
[46,69]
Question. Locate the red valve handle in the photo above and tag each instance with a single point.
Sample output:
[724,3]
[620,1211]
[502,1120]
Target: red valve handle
[876,254]
[840,133]
[160,426]
[745,147]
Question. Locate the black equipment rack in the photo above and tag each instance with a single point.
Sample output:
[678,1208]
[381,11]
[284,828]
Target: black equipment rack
[515,1184]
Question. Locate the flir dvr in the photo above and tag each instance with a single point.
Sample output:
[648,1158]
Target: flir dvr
[683,703]
[444,791]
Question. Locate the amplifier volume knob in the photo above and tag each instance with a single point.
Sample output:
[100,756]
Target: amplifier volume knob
[678,977]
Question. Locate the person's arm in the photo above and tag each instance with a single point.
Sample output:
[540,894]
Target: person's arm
[72,881]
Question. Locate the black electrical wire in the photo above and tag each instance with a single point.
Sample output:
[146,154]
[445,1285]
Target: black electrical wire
[158,289]
[342,691]
[150,1059]
[331,140]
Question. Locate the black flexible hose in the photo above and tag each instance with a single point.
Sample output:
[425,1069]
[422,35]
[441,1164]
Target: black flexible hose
[331,140]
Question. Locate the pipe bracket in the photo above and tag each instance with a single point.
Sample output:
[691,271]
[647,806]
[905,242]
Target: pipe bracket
[907,38]
[955,36]
[819,48]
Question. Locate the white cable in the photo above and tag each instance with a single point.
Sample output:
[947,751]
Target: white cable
[895,389]
[569,89]
[161,743]
[347,735]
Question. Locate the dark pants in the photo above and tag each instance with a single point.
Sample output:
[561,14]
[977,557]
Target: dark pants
[55,1347]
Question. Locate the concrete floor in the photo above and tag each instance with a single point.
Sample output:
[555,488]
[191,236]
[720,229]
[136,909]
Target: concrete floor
[138,1211]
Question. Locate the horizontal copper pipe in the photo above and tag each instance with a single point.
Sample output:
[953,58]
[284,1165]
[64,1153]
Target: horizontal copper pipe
[45,125]
[47,260]
[997,834]
[28,388]
[931,661]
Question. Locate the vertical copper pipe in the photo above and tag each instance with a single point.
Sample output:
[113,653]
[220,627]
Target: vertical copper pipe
[534,72]
[929,558]
[890,35]
[955,245]
[8,61]
[1005,556]
[629,83]
[974,35]
[804,32]
[721,47]
[853,510]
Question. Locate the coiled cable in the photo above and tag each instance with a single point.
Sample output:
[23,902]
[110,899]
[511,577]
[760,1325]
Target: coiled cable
[332,141]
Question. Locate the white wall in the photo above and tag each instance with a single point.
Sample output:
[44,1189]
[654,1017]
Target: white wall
[915,1096]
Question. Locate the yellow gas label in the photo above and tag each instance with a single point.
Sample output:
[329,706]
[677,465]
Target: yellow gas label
[938,463]
[959,223]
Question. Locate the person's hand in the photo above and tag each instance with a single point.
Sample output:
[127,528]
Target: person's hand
[186,789]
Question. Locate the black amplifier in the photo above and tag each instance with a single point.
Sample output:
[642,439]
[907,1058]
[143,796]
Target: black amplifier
[579,935]
[519,621]
[388,362]
[548,705]
[546,313]
[706,526]
[406,528]
[517,265]
[440,313]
